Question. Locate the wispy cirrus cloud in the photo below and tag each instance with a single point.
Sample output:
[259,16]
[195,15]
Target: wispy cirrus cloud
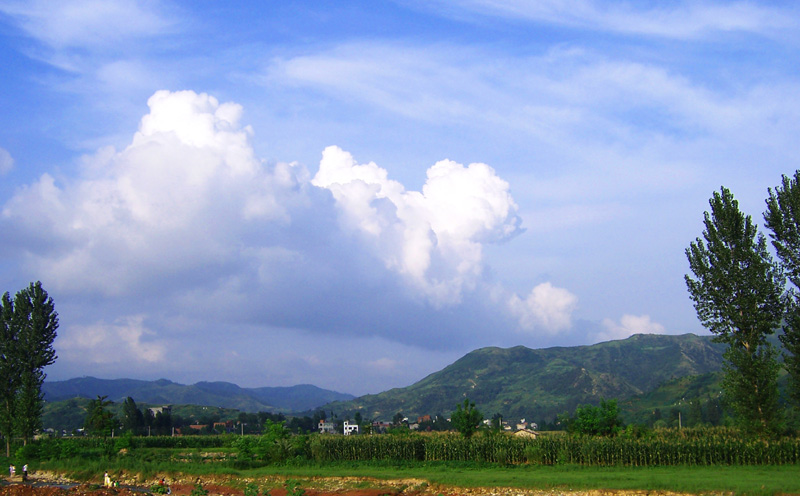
[679,20]
[6,161]
[95,24]
[552,95]
[611,125]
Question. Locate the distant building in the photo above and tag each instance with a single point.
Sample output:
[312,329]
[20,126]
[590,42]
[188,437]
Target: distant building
[350,428]
[326,427]
[226,426]
[163,410]
[527,434]
[381,427]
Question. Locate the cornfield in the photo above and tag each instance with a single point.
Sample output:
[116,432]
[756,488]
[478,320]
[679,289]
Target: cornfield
[670,448]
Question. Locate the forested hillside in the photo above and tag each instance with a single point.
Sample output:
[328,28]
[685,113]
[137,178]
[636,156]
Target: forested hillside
[538,384]
[217,394]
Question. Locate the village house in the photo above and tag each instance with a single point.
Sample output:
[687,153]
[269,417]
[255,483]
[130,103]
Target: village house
[350,428]
[226,426]
[380,427]
[163,410]
[326,427]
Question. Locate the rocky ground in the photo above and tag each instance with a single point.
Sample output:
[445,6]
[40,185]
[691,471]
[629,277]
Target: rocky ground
[53,485]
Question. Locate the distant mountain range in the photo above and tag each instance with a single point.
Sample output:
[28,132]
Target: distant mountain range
[539,384]
[518,382]
[218,394]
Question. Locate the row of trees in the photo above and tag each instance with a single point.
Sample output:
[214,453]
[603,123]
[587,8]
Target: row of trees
[28,325]
[101,420]
[741,295]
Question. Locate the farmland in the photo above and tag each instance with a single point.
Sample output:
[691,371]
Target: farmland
[687,461]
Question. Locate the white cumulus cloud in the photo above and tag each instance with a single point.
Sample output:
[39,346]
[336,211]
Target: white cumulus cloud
[628,326]
[187,230]
[546,308]
[127,339]
[176,199]
[433,237]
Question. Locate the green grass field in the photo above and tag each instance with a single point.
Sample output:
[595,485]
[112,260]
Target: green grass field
[739,480]
[768,480]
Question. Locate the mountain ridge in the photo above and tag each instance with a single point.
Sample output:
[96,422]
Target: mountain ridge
[537,384]
[542,383]
[279,399]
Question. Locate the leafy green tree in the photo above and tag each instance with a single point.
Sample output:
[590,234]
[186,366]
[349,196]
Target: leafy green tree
[737,293]
[162,424]
[497,422]
[9,369]
[398,418]
[600,420]
[274,444]
[466,418]
[149,421]
[783,219]
[99,420]
[695,414]
[28,325]
[37,322]
[712,411]
[132,417]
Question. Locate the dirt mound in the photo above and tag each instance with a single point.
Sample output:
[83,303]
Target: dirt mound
[85,489]
[274,486]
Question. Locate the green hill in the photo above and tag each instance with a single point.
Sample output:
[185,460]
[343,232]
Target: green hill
[538,384]
[217,394]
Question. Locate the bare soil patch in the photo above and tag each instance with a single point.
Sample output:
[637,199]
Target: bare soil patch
[329,486]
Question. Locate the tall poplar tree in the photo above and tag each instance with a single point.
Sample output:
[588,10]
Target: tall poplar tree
[28,325]
[737,293]
[38,321]
[132,417]
[783,219]
[9,368]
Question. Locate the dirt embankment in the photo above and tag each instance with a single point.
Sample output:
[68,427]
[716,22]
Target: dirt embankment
[340,486]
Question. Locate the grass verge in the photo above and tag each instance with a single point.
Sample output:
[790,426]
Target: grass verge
[761,480]
[739,480]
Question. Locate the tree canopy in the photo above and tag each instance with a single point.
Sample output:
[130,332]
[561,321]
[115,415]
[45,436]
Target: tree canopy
[28,325]
[737,292]
[600,420]
[99,420]
[782,217]
[466,418]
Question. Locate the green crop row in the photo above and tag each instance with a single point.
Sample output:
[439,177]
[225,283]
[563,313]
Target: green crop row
[551,450]
[660,448]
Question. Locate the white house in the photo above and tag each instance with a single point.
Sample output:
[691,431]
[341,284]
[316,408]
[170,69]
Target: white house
[350,428]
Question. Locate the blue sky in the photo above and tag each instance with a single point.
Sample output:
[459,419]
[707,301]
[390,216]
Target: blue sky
[356,194]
